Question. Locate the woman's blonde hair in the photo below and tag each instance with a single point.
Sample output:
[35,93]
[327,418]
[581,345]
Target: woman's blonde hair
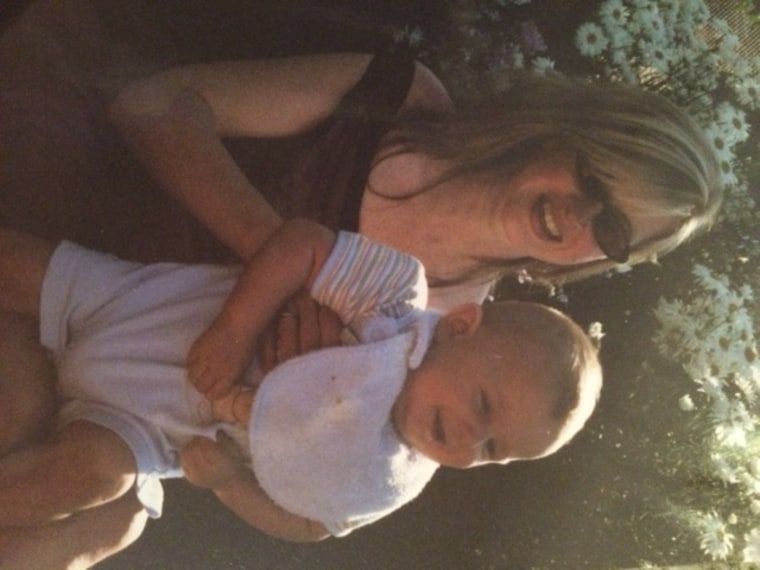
[652,158]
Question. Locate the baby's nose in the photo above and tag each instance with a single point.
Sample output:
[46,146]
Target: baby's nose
[469,436]
[584,209]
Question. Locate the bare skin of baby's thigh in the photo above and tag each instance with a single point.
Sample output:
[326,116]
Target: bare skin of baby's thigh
[79,541]
[27,378]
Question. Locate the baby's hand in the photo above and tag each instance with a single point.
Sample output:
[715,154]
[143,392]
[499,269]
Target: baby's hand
[211,464]
[216,361]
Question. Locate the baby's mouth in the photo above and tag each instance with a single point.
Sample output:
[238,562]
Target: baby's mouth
[438,434]
[546,219]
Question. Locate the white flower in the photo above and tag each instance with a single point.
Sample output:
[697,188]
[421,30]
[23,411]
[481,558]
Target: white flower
[595,331]
[642,18]
[754,467]
[723,469]
[629,75]
[655,55]
[733,422]
[620,41]
[518,59]
[524,277]
[733,121]
[747,386]
[644,5]
[613,14]
[542,65]
[748,92]
[731,435]
[751,483]
[729,41]
[590,39]
[655,27]
[727,175]
[409,36]
[713,387]
[696,10]
[720,143]
[668,5]
[686,403]
[751,551]
[715,541]
[743,68]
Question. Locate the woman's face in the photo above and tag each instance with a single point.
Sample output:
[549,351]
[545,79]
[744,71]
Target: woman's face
[549,214]
[546,214]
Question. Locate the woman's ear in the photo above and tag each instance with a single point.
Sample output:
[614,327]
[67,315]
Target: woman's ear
[464,320]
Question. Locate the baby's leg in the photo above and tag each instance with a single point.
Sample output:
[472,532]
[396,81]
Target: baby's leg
[79,541]
[83,466]
[23,261]
[27,378]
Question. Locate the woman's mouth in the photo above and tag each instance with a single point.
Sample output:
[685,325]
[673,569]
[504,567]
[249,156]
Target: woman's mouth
[546,219]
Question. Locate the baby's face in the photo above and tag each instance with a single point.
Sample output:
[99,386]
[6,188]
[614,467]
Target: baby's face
[475,401]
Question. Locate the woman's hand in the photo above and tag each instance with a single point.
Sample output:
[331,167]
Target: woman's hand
[212,464]
[304,325]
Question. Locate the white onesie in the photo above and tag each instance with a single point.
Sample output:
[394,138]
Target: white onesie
[120,333]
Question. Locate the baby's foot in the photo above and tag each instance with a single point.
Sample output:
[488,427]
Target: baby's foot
[216,362]
[235,406]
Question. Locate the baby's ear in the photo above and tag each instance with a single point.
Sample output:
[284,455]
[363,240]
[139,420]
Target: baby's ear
[464,320]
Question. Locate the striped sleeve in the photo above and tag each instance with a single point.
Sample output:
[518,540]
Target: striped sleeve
[363,278]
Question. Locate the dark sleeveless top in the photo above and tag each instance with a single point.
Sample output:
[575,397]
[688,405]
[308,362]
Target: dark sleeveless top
[66,173]
[322,175]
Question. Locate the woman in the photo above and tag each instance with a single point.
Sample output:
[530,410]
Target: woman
[556,178]
[571,176]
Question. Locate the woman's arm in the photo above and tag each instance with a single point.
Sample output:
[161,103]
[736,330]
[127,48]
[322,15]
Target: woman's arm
[289,261]
[212,465]
[173,122]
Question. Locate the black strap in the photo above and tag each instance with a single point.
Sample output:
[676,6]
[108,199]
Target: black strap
[374,101]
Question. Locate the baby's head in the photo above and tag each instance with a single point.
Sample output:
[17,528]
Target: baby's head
[506,381]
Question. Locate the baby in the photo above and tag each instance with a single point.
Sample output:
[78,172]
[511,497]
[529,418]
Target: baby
[336,439]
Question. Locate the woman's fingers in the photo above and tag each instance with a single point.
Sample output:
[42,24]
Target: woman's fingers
[330,327]
[267,350]
[288,337]
[303,325]
[309,334]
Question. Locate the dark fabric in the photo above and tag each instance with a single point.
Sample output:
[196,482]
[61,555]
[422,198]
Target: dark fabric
[322,175]
[66,174]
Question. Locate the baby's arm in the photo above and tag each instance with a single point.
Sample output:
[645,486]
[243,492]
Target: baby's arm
[289,261]
[214,466]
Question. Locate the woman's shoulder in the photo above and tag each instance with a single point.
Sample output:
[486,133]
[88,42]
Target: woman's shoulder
[427,92]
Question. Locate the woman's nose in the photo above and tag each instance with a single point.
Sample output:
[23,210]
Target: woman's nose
[581,210]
